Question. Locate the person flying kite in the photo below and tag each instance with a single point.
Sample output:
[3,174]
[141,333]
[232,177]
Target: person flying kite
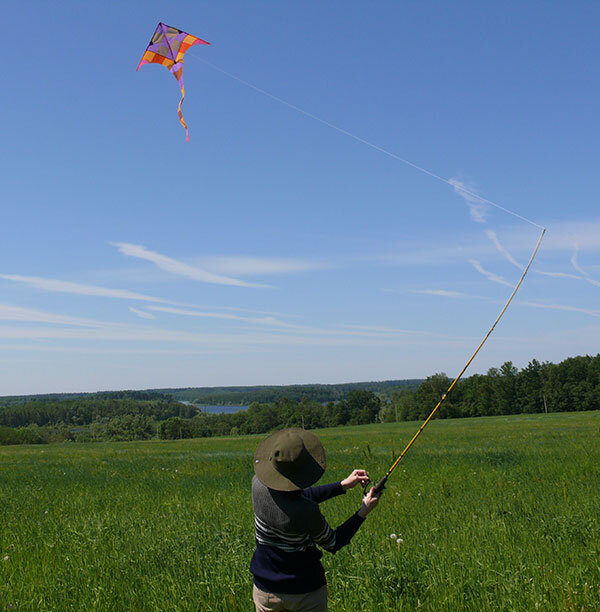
[167,47]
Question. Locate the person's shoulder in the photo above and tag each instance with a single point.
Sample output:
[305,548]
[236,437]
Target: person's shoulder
[258,488]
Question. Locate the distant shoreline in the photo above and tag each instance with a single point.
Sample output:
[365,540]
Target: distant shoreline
[215,409]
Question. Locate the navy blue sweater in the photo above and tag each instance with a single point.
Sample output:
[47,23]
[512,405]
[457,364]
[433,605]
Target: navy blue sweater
[288,527]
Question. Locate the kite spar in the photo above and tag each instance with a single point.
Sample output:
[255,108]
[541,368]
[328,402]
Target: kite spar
[167,47]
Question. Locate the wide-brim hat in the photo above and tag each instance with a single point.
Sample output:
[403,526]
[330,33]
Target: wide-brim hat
[289,460]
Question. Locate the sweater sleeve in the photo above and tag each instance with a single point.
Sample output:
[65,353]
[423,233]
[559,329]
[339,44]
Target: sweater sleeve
[324,492]
[332,540]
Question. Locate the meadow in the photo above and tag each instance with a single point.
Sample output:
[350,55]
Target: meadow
[493,513]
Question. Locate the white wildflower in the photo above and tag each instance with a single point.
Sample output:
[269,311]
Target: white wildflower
[393,536]
[399,541]
[6,558]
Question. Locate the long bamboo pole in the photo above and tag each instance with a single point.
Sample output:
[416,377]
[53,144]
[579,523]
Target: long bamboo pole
[381,484]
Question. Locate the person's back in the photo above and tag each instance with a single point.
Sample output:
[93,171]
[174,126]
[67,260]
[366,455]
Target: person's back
[288,574]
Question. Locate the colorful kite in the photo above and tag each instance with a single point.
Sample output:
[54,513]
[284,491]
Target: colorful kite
[167,47]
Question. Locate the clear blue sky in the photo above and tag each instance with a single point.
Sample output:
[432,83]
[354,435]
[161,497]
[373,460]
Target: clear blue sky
[272,249]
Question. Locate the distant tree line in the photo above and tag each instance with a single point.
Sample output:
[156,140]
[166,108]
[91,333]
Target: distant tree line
[125,427]
[358,408]
[151,394]
[244,396]
[572,385]
[87,410]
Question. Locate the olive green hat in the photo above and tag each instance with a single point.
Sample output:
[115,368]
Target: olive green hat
[289,460]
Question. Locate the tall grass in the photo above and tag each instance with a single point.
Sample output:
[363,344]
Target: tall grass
[498,513]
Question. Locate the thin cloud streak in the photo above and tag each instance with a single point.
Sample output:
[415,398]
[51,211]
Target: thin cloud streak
[566,308]
[478,208]
[441,292]
[277,326]
[559,275]
[20,314]
[178,267]
[144,350]
[59,286]
[142,313]
[588,311]
[579,269]
[575,263]
[494,238]
[373,329]
[211,340]
[489,275]
[221,315]
[258,266]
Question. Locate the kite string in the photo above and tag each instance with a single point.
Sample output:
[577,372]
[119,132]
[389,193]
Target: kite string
[460,189]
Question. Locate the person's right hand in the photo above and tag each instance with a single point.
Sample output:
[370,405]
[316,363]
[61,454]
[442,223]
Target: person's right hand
[369,502]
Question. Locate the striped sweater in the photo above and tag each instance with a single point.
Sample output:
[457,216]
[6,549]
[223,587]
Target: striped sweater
[288,527]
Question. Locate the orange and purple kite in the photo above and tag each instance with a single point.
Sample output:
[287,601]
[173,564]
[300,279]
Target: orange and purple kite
[167,47]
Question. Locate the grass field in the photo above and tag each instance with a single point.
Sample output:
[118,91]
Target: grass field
[498,513]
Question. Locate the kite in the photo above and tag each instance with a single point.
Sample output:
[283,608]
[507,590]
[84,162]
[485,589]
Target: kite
[167,47]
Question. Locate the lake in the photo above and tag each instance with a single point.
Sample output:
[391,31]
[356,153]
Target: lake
[216,409]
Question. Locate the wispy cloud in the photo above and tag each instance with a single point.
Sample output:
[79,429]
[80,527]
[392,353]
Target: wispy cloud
[235,342]
[178,267]
[257,266]
[60,286]
[566,308]
[489,275]
[517,241]
[394,331]
[268,320]
[478,209]
[440,292]
[142,313]
[575,262]
[586,276]
[18,313]
[559,274]
[587,311]
[494,238]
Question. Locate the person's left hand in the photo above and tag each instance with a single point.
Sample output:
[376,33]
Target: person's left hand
[356,477]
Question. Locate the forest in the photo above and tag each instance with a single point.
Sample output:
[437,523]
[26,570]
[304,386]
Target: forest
[269,393]
[571,385]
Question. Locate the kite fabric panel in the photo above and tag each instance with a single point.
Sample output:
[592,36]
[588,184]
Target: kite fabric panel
[167,47]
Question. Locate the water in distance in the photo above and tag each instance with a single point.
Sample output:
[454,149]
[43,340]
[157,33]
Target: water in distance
[216,409]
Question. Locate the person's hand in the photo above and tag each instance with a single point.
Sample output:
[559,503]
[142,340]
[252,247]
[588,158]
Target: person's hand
[369,502]
[357,477]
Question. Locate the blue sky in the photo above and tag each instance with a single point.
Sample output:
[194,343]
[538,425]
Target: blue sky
[271,248]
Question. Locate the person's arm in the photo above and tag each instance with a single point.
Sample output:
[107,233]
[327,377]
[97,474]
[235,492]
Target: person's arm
[324,492]
[332,540]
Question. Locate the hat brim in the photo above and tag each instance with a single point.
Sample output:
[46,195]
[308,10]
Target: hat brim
[311,471]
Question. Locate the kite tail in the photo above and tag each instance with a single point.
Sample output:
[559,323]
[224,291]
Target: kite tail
[187,134]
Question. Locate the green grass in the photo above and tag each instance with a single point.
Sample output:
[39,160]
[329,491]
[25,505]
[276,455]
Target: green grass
[497,513]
